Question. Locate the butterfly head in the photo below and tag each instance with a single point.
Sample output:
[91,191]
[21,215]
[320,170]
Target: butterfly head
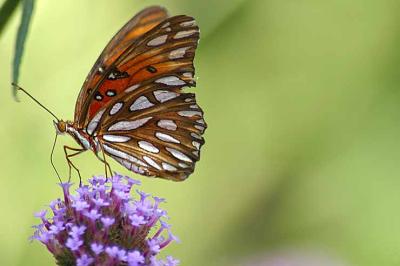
[61,126]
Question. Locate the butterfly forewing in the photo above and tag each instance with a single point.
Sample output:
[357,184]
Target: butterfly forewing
[132,30]
[137,110]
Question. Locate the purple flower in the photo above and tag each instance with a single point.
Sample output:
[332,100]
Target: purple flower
[102,224]
[116,253]
[135,258]
[136,220]
[41,214]
[77,231]
[97,248]
[80,205]
[171,261]
[73,243]
[92,214]
[84,260]
[107,221]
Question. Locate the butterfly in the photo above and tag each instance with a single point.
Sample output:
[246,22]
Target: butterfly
[131,106]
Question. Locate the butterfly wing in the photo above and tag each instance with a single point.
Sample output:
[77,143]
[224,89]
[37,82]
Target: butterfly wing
[156,132]
[137,109]
[132,30]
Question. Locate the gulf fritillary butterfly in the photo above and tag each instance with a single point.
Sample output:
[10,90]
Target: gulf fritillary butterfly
[131,106]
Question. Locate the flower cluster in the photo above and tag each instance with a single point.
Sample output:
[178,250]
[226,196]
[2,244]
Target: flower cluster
[103,225]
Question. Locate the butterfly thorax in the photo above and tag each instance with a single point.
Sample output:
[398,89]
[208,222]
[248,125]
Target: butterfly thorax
[80,136]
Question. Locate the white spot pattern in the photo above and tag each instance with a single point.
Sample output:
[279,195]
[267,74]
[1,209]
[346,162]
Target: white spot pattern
[183,165]
[168,167]
[179,155]
[178,53]
[188,23]
[129,125]
[171,81]
[189,113]
[147,146]
[111,93]
[140,103]
[196,144]
[163,96]
[194,135]
[167,124]
[116,138]
[151,162]
[201,128]
[166,137]
[158,40]
[188,74]
[185,33]
[94,122]
[123,155]
[115,109]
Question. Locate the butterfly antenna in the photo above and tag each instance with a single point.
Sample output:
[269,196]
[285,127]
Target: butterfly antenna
[33,98]
[51,158]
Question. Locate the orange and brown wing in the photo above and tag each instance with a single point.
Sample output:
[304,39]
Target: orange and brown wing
[156,131]
[136,27]
[137,110]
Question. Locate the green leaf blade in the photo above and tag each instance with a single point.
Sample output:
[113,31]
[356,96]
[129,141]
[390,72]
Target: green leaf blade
[27,11]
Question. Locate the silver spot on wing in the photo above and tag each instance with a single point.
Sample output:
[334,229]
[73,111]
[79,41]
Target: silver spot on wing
[185,33]
[178,53]
[94,122]
[188,23]
[189,113]
[168,167]
[171,81]
[151,162]
[123,155]
[158,40]
[196,144]
[116,108]
[129,125]
[167,124]
[166,137]
[147,146]
[163,96]
[179,155]
[116,138]
[140,103]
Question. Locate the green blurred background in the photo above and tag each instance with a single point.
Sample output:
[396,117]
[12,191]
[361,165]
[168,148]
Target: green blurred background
[303,147]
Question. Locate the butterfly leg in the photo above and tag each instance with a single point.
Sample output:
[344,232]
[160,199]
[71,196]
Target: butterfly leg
[70,164]
[103,160]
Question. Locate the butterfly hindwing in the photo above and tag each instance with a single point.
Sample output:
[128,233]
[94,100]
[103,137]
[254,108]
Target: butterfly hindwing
[157,133]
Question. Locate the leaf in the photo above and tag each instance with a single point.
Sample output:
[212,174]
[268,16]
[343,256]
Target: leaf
[21,38]
[6,10]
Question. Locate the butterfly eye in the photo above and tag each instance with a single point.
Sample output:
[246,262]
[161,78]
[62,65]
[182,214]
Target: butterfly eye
[151,69]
